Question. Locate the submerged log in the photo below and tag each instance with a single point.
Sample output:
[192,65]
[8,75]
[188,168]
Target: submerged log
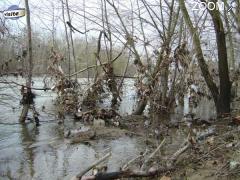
[80,136]
[98,123]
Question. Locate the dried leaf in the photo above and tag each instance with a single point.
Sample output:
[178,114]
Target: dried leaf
[236,120]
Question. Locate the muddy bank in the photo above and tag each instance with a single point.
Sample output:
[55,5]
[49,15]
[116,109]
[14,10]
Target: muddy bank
[200,151]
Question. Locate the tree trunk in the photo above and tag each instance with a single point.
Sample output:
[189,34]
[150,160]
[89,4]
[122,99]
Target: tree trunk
[223,104]
[221,97]
[67,40]
[24,113]
[30,63]
[140,107]
[230,40]
[71,40]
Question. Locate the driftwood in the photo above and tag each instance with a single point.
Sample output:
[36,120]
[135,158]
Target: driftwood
[175,156]
[188,144]
[132,160]
[152,155]
[126,174]
[79,176]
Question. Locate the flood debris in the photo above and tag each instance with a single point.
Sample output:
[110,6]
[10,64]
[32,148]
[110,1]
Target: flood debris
[79,176]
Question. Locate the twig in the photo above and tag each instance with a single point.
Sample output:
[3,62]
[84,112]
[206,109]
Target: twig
[124,74]
[132,160]
[220,170]
[73,28]
[90,67]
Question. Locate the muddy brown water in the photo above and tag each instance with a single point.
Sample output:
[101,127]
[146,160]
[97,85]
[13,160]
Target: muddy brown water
[29,152]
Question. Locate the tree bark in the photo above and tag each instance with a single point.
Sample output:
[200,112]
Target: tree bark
[220,96]
[67,41]
[30,62]
[162,64]
[140,107]
[71,39]
[230,40]
[223,104]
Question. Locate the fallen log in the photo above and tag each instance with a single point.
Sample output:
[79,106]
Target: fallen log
[132,160]
[152,155]
[175,156]
[126,174]
[79,176]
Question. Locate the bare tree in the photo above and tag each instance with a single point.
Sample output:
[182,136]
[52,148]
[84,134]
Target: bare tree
[71,37]
[86,37]
[67,40]
[221,95]
[26,104]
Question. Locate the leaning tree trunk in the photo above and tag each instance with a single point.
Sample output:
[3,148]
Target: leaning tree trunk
[140,107]
[71,39]
[221,97]
[67,41]
[230,40]
[223,104]
[26,106]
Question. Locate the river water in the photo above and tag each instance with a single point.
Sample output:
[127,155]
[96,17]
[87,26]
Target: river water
[29,152]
